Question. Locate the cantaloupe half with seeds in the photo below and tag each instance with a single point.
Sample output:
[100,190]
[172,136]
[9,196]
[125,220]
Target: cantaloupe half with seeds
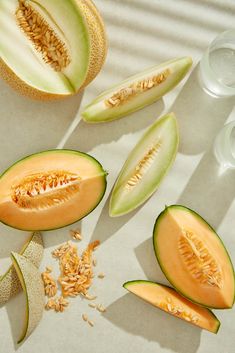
[9,282]
[167,299]
[193,258]
[50,49]
[137,91]
[146,166]
[32,285]
[50,189]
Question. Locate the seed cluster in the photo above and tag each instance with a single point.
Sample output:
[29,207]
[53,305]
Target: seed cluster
[198,260]
[57,304]
[178,311]
[45,40]
[136,88]
[50,286]
[143,165]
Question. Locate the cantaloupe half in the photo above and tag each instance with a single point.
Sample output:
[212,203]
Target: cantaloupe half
[50,189]
[193,258]
[32,285]
[167,299]
[9,283]
[137,91]
[50,49]
[146,166]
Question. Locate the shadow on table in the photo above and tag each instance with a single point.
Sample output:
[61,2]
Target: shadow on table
[140,319]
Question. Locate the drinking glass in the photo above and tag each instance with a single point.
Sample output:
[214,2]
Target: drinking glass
[224,146]
[217,66]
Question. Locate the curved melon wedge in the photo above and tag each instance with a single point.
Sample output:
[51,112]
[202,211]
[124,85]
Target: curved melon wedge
[32,284]
[50,189]
[146,166]
[168,300]
[193,258]
[9,283]
[137,91]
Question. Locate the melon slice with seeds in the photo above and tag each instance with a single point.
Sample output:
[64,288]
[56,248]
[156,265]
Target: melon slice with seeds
[168,300]
[146,166]
[32,284]
[9,283]
[137,91]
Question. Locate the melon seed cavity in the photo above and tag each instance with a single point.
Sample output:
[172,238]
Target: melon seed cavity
[178,311]
[44,39]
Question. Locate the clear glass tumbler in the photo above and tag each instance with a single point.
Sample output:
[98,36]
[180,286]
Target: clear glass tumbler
[224,146]
[217,66]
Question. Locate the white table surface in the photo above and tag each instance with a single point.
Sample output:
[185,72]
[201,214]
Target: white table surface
[141,33]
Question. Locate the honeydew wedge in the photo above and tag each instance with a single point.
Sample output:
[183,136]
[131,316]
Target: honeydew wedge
[10,284]
[32,285]
[137,91]
[168,300]
[146,166]
[50,49]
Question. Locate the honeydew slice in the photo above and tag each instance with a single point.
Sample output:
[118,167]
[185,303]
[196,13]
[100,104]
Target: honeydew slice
[168,300]
[146,166]
[32,285]
[9,283]
[137,91]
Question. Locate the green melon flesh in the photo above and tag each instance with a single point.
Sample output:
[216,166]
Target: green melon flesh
[164,132]
[167,299]
[32,284]
[98,110]
[17,51]
[9,283]
[50,189]
[193,258]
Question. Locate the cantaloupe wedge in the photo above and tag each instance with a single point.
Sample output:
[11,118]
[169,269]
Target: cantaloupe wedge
[9,282]
[32,285]
[167,299]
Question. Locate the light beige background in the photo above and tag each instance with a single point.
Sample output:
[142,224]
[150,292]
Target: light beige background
[141,33]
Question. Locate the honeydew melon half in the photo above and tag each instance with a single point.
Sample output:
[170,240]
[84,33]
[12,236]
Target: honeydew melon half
[146,166]
[50,48]
[9,283]
[168,300]
[32,285]
[50,189]
[137,91]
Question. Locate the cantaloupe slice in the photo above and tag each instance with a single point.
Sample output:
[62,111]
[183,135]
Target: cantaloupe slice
[9,283]
[50,189]
[146,166]
[32,284]
[193,257]
[167,299]
[50,49]
[137,91]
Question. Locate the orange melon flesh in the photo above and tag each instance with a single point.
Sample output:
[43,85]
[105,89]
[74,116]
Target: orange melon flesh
[91,190]
[167,299]
[170,225]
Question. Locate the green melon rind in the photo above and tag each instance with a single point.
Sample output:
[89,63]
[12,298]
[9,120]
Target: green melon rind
[32,284]
[102,172]
[91,114]
[129,283]
[9,283]
[162,266]
[155,184]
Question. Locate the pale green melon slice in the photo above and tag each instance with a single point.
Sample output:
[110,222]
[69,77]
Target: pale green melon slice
[137,91]
[146,166]
[32,284]
[9,283]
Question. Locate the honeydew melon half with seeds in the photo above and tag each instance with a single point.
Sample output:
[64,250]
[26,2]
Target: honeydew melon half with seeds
[137,91]
[193,258]
[50,49]
[168,300]
[146,166]
[50,189]
[32,285]
[9,283]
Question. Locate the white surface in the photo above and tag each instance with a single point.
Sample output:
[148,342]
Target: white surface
[141,33]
